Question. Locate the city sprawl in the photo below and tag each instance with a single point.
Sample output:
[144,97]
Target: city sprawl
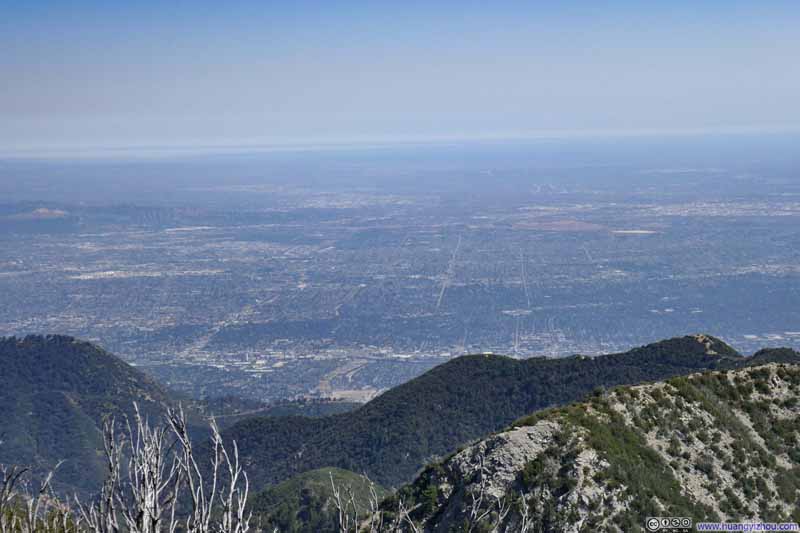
[273,285]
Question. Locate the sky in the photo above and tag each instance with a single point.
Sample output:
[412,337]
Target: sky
[197,73]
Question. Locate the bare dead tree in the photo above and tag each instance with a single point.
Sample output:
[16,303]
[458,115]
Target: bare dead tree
[201,494]
[235,518]
[477,510]
[11,477]
[101,516]
[375,512]
[153,479]
[346,508]
[532,509]
[404,515]
[162,470]
[503,508]
[348,520]
[23,510]
[35,502]
[62,519]
[526,518]
[477,513]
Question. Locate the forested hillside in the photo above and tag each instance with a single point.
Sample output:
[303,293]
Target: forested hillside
[394,435]
[55,392]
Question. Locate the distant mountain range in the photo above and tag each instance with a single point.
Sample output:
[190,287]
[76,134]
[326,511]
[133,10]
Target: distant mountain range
[716,446]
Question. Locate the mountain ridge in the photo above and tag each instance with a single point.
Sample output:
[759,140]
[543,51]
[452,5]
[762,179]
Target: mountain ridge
[57,390]
[713,446]
[394,435]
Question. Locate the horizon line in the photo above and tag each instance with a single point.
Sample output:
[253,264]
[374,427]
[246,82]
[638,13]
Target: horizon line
[256,145]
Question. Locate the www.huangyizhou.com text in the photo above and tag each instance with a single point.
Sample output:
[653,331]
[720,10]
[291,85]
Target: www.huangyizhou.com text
[747,526]
[683,524]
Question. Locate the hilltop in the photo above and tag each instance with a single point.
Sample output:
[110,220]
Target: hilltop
[393,436]
[56,391]
[303,504]
[715,446]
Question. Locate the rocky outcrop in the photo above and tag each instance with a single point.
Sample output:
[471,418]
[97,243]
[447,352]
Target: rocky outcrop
[717,446]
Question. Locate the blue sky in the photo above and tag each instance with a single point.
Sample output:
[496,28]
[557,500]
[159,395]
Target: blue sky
[152,73]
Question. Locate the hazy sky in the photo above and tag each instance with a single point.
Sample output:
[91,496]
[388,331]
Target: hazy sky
[184,72]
